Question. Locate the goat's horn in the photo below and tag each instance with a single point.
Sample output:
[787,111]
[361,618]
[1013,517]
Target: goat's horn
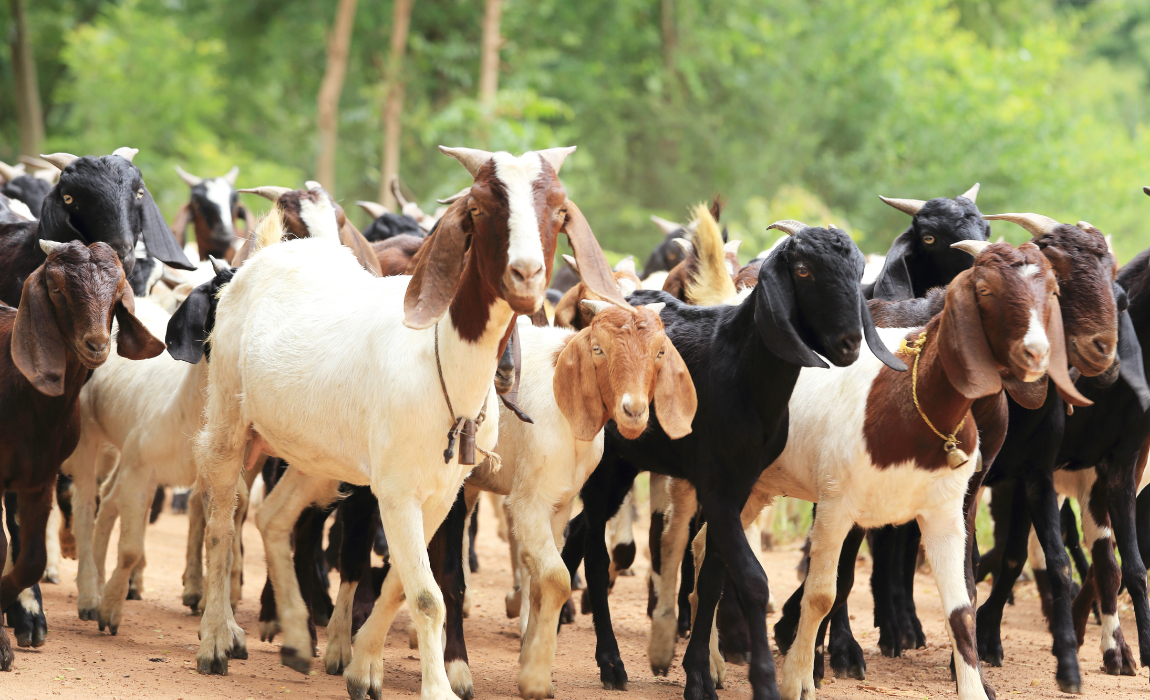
[556,156]
[667,227]
[571,261]
[656,306]
[453,198]
[230,176]
[471,158]
[732,247]
[188,178]
[971,194]
[397,192]
[126,153]
[788,226]
[49,246]
[373,209]
[593,306]
[971,246]
[60,160]
[9,172]
[906,206]
[686,245]
[218,265]
[627,264]
[312,185]
[1086,225]
[1036,224]
[268,192]
[1109,243]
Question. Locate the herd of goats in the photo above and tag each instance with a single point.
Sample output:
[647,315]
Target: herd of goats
[391,376]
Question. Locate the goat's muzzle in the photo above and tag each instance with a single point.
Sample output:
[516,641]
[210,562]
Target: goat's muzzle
[524,284]
[1093,355]
[631,418]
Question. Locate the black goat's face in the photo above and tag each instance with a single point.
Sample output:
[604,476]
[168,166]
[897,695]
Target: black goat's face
[216,203]
[943,222]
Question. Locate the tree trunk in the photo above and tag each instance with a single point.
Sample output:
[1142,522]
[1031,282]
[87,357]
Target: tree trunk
[489,56]
[327,105]
[670,37]
[30,117]
[393,108]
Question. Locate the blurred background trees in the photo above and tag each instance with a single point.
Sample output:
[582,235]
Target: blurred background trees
[789,108]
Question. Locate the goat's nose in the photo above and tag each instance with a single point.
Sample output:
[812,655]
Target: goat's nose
[525,270]
[631,407]
[849,344]
[96,346]
[1103,347]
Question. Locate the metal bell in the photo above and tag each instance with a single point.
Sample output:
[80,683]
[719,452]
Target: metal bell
[467,443]
[954,456]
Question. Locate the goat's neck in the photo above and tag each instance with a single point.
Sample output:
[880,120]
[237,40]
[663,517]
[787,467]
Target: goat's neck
[470,336]
[942,403]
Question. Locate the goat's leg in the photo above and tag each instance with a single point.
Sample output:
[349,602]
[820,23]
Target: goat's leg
[1002,496]
[513,601]
[236,571]
[275,520]
[704,665]
[28,562]
[26,615]
[659,502]
[445,552]
[358,512]
[6,656]
[830,529]
[1120,489]
[886,565]
[912,634]
[1013,557]
[1117,659]
[1042,503]
[679,511]
[82,465]
[131,495]
[620,533]
[944,538]
[1037,559]
[106,516]
[194,558]
[52,543]
[847,659]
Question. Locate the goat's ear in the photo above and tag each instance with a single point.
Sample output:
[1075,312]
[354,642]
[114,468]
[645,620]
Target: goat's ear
[576,387]
[188,328]
[134,340]
[1130,367]
[675,399]
[37,346]
[774,309]
[874,342]
[567,310]
[893,281]
[1028,394]
[962,343]
[158,237]
[437,267]
[350,236]
[1056,364]
[180,223]
[594,269]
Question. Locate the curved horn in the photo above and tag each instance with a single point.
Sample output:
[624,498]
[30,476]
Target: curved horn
[60,160]
[972,247]
[9,172]
[1087,226]
[268,192]
[218,265]
[455,197]
[231,175]
[687,246]
[594,306]
[571,261]
[667,227]
[397,193]
[471,158]
[732,247]
[49,246]
[788,226]
[1146,189]
[1036,224]
[556,156]
[373,209]
[126,153]
[971,194]
[906,206]
[312,185]
[189,179]
[627,264]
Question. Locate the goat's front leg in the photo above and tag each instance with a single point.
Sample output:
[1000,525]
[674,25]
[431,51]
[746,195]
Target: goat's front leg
[1012,543]
[83,471]
[194,557]
[236,575]
[1120,489]
[131,496]
[446,555]
[673,545]
[52,542]
[6,657]
[358,511]
[1117,659]
[28,562]
[944,538]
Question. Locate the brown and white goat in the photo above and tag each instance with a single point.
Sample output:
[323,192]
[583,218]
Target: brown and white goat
[213,210]
[61,330]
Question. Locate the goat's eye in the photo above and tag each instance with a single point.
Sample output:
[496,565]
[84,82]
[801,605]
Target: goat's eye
[54,290]
[660,355]
[596,349]
[802,271]
[984,291]
[475,211]
[928,240]
[67,199]
[140,193]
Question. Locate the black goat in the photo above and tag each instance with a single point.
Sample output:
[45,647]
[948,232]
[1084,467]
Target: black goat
[744,361]
[385,225]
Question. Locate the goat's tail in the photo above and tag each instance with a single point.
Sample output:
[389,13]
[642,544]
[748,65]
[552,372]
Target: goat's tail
[710,282]
[269,230]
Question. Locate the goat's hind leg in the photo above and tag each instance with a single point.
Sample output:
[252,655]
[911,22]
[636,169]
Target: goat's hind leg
[132,494]
[193,595]
[1120,490]
[28,562]
[673,544]
[358,512]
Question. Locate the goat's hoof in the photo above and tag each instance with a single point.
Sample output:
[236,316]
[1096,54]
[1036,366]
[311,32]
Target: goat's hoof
[215,666]
[359,690]
[459,675]
[660,669]
[334,667]
[847,660]
[699,687]
[6,656]
[113,629]
[294,660]
[192,600]
[567,612]
[738,658]
[134,594]
[412,638]
[33,636]
[785,631]
[1119,661]
[89,614]
[102,624]
[268,630]
[1070,687]
[612,673]
[320,618]
[513,601]
[529,691]
[50,576]
[239,651]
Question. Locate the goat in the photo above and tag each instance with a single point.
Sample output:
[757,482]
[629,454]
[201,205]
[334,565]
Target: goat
[744,360]
[29,190]
[213,210]
[396,253]
[385,225]
[323,321]
[665,256]
[571,313]
[60,331]
[97,199]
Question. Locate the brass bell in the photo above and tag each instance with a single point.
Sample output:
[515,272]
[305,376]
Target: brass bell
[467,443]
[954,456]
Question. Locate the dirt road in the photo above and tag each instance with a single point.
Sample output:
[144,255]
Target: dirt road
[153,656]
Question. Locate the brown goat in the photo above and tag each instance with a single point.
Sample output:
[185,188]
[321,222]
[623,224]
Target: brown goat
[396,253]
[61,330]
[570,313]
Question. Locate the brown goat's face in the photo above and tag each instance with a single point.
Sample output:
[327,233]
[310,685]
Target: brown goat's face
[84,286]
[628,351]
[1016,289]
[1085,268]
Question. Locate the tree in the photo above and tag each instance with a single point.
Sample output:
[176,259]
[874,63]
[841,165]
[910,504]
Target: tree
[327,102]
[27,89]
[489,55]
[393,109]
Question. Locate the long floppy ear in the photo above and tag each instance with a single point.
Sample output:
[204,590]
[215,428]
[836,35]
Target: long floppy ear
[774,309]
[675,398]
[134,341]
[158,238]
[180,223]
[567,310]
[874,342]
[576,388]
[594,269]
[37,346]
[437,268]
[893,281]
[1028,394]
[962,343]
[350,236]
[188,328]
[1130,367]
[1056,365]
